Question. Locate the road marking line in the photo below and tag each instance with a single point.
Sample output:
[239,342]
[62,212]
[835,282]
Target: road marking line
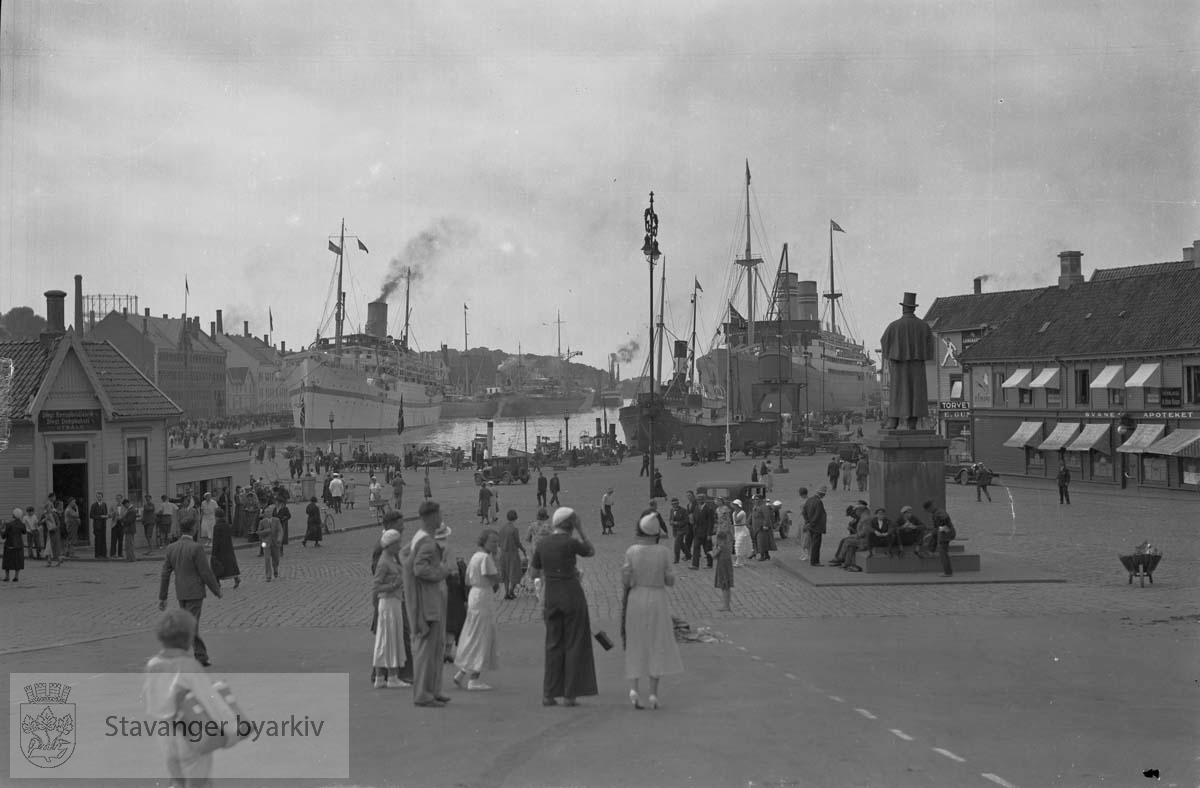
[867,714]
[997,780]
[790,676]
[835,697]
[948,754]
[756,658]
[901,734]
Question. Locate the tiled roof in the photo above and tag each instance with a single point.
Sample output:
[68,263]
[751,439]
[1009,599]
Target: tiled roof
[951,313]
[1114,317]
[30,362]
[1151,269]
[165,332]
[257,349]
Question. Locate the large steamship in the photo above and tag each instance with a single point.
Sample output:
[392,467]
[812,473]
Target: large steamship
[367,383]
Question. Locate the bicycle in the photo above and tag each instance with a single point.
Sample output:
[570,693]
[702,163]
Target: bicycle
[328,524]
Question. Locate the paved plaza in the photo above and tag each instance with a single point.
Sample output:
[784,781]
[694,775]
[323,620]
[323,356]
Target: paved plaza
[1082,682]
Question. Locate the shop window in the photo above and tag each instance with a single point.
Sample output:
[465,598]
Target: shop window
[1191,382]
[1035,458]
[136,471]
[1189,471]
[1083,379]
[1116,397]
[1152,397]
[1073,459]
[1154,469]
[1053,397]
[998,390]
[1025,396]
[1102,466]
[956,387]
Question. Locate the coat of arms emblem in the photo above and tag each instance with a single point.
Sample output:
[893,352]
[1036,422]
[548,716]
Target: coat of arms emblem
[47,725]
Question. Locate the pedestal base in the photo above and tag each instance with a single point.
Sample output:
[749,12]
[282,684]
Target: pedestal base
[908,467]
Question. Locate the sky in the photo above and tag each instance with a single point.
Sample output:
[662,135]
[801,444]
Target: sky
[505,151]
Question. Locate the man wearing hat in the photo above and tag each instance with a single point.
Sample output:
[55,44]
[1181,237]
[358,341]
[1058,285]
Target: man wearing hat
[703,521]
[681,529]
[606,512]
[907,343]
[813,513]
[425,594]
[337,488]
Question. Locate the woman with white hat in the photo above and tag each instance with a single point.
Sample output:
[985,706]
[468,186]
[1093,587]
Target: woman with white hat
[389,631]
[650,648]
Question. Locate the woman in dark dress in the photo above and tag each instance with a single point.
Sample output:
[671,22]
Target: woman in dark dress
[224,561]
[14,545]
[570,671]
[312,527]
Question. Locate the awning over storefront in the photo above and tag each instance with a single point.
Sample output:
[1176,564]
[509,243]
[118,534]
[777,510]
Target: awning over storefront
[1142,438]
[1112,377]
[1094,436]
[1046,379]
[1180,443]
[1025,434]
[1060,437]
[1147,376]
[1018,379]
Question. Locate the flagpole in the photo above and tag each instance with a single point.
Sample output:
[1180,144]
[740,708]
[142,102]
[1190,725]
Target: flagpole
[341,299]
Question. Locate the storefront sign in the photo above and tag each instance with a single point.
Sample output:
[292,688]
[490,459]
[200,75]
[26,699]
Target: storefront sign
[69,421]
[1170,398]
[1141,414]
[956,415]
[971,337]
[954,404]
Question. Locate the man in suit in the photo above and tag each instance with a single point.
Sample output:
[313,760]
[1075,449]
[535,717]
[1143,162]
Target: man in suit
[555,488]
[425,595]
[193,573]
[542,483]
[942,534]
[704,520]
[814,524]
[98,514]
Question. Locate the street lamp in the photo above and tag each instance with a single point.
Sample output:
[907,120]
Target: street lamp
[651,250]
[331,432]
[807,356]
[567,430]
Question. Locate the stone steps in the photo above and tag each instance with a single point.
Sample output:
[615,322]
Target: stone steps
[881,564]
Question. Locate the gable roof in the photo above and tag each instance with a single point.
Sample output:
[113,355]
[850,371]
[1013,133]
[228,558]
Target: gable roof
[1151,269]
[255,348]
[1136,315]
[953,313]
[124,392]
[167,332]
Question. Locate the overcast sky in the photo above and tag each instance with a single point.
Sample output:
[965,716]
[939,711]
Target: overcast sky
[145,141]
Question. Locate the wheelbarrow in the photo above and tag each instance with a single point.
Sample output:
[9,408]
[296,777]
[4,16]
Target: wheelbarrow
[1141,565]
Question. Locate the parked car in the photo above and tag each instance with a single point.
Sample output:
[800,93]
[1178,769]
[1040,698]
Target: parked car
[743,491]
[965,472]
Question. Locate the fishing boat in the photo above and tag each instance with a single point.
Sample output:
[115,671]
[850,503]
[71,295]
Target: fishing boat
[367,382]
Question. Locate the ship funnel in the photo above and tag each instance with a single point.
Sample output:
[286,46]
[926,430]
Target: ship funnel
[377,318]
[805,303]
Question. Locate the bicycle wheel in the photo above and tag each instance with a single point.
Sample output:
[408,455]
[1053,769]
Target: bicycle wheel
[328,523]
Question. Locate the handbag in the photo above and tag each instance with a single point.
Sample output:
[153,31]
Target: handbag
[604,640]
[197,717]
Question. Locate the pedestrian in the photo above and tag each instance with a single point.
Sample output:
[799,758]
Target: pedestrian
[1064,481]
[149,521]
[485,503]
[337,489]
[188,518]
[208,517]
[539,529]
[768,477]
[805,535]
[606,512]
[478,644]
[983,477]
[542,484]
[743,544]
[570,668]
[129,520]
[764,535]
[754,474]
[53,536]
[723,577]
[284,515]
[391,521]
[510,550]
[833,470]
[426,567]
[170,674]
[704,520]
[193,575]
[116,535]
[659,492]
[72,522]
[164,519]
[680,530]
[814,523]
[270,536]
[428,490]
[14,545]
[944,533]
[98,514]
[555,487]
[645,471]
[375,498]
[649,630]
[398,491]
[847,472]
[862,471]
[312,525]
[389,628]
[223,558]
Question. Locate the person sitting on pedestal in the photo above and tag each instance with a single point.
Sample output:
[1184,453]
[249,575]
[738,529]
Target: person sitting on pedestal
[907,344]
[859,539]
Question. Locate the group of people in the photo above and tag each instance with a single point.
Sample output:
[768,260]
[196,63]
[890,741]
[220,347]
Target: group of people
[845,468]
[411,612]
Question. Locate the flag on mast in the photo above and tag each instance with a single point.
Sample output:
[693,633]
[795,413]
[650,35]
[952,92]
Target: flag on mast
[335,248]
[698,287]
[400,420]
[747,172]
[186,290]
[270,320]
[362,246]
[835,227]
[302,422]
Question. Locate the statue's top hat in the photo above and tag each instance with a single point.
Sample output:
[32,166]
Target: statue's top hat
[910,301]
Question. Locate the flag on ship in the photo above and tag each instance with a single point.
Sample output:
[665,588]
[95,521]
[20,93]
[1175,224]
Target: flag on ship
[698,287]
[363,246]
[400,420]
[835,227]
[335,248]
[736,320]
[302,422]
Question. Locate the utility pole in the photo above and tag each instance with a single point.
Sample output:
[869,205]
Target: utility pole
[651,250]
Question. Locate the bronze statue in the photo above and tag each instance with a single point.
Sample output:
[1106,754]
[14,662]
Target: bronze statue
[907,343]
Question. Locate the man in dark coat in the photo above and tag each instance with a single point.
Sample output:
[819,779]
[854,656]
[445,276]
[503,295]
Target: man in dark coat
[555,487]
[1064,481]
[704,520]
[98,514]
[942,534]
[833,470]
[425,595]
[907,343]
[193,574]
[814,524]
[541,488]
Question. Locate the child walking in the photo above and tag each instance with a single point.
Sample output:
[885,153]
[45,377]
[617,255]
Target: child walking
[169,673]
[724,570]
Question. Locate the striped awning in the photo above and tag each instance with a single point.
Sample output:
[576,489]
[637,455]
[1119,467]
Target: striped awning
[1046,379]
[1094,436]
[1025,435]
[1180,443]
[1060,437]
[1111,377]
[1142,438]
[1018,379]
[1147,376]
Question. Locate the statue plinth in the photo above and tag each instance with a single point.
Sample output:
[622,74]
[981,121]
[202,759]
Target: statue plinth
[908,467]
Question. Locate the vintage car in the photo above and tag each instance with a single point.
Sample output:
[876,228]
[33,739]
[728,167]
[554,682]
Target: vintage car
[965,472]
[505,470]
[742,490]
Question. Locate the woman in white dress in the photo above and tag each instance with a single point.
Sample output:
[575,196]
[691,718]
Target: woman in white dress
[743,545]
[477,645]
[389,629]
[208,517]
[650,647]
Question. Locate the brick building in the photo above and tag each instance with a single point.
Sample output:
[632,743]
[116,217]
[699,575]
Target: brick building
[256,379]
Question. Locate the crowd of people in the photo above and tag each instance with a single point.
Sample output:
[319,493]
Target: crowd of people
[223,433]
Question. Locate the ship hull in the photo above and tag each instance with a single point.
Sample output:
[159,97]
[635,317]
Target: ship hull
[469,409]
[358,407]
[705,437]
[524,406]
[822,385]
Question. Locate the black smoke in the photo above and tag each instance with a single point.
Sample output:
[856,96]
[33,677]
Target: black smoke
[426,250]
[626,352]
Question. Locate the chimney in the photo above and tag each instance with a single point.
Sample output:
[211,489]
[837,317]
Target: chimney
[147,311]
[283,347]
[56,304]
[166,317]
[79,304]
[212,327]
[1189,254]
[125,311]
[91,319]
[1071,269]
[220,323]
[978,285]
[267,340]
[245,328]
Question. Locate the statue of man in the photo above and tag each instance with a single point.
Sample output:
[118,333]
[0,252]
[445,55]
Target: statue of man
[907,343]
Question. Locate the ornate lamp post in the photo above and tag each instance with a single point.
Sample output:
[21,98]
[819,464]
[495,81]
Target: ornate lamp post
[331,432]
[567,431]
[650,249]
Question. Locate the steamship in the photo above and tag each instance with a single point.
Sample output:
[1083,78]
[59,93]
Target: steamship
[367,383]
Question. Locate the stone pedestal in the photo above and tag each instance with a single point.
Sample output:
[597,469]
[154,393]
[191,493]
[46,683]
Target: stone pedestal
[908,467]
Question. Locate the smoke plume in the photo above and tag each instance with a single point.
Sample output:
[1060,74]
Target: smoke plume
[626,352]
[984,277]
[426,250]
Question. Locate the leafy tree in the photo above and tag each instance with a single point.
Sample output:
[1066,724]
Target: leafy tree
[21,322]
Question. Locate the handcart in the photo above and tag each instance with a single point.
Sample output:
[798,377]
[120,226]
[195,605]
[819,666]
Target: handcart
[1141,565]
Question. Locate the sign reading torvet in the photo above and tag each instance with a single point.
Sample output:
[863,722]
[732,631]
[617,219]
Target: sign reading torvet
[954,404]
[69,420]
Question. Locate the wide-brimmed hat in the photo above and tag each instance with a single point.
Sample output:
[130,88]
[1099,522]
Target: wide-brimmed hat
[561,515]
[390,536]
[905,509]
[443,532]
[822,490]
[648,525]
[737,503]
[910,300]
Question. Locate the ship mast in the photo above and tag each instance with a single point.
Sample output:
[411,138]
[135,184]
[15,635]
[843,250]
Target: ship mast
[749,262]
[692,360]
[832,295]
[662,304]
[340,311]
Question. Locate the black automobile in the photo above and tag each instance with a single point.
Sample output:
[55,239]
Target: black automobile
[966,472]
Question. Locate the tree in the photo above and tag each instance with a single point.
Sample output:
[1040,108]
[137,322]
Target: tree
[21,322]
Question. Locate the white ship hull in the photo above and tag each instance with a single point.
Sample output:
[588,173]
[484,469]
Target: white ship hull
[359,405]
